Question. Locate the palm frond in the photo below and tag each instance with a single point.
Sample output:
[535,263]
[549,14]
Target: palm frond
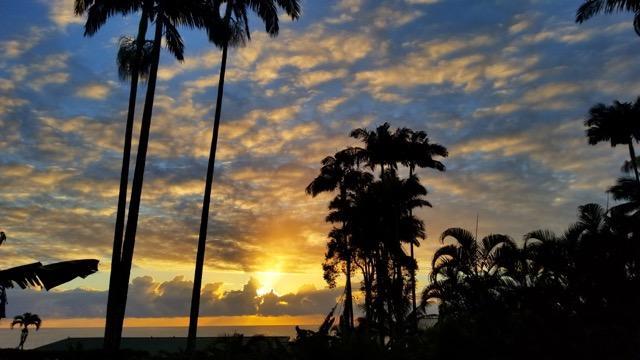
[47,276]
[175,45]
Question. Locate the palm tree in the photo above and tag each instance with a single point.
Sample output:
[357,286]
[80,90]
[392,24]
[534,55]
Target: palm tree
[590,8]
[383,221]
[340,172]
[167,16]
[618,124]
[381,147]
[235,28]
[24,321]
[627,165]
[417,151]
[42,276]
[466,273]
[629,191]
[133,62]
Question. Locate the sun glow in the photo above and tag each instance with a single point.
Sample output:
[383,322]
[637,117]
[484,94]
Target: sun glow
[267,280]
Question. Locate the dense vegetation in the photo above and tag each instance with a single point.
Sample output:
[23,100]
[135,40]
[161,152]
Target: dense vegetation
[576,293]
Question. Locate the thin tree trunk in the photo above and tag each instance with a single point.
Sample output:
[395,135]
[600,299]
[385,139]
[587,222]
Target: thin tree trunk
[634,163]
[124,182]
[368,282]
[413,292]
[413,274]
[136,188]
[206,202]
[348,302]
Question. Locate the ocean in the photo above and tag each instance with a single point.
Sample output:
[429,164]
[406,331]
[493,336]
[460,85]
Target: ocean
[9,338]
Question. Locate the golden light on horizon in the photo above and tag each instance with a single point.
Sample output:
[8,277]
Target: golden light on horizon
[182,321]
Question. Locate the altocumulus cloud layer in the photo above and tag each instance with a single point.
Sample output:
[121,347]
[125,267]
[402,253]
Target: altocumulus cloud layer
[503,84]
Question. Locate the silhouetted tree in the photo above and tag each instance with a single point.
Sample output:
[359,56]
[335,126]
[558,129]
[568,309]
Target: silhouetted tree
[376,220]
[24,321]
[629,191]
[618,124]
[554,292]
[417,151]
[340,172]
[166,16]
[235,29]
[466,276]
[134,61]
[590,8]
[383,221]
[381,147]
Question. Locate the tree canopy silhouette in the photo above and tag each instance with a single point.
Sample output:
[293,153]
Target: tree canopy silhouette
[591,8]
[167,16]
[24,321]
[373,222]
[618,124]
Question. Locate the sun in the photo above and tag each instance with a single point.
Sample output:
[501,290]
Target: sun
[267,280]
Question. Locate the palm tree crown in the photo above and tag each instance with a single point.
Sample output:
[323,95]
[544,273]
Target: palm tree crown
[590,8]
[127,58]
[618,124]
[27,319]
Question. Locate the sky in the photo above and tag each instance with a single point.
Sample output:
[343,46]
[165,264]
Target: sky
[505,85]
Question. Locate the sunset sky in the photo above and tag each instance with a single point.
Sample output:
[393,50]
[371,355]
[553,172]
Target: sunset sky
[503,84]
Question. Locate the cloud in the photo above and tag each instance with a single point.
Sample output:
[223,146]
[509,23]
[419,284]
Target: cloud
[94,91]
[387,17]
[16,47]
[61,13]
[349,5]
[148,298]
[422,1]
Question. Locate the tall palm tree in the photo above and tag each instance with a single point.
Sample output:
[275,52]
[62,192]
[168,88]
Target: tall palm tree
[340,172]
[383,222]
[235,28]
[618,124]
[167,16]
[24,321]
[133,60]
[590,8]
[417,151]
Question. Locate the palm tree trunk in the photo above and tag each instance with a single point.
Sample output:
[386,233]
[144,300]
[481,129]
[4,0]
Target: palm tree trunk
[634,163]
[348,302]
[204,219]
[368,281]
[136,188]
[413,274]
[413,291]
[124,182]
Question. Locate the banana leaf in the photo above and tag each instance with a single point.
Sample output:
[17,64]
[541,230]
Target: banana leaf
[47,276]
